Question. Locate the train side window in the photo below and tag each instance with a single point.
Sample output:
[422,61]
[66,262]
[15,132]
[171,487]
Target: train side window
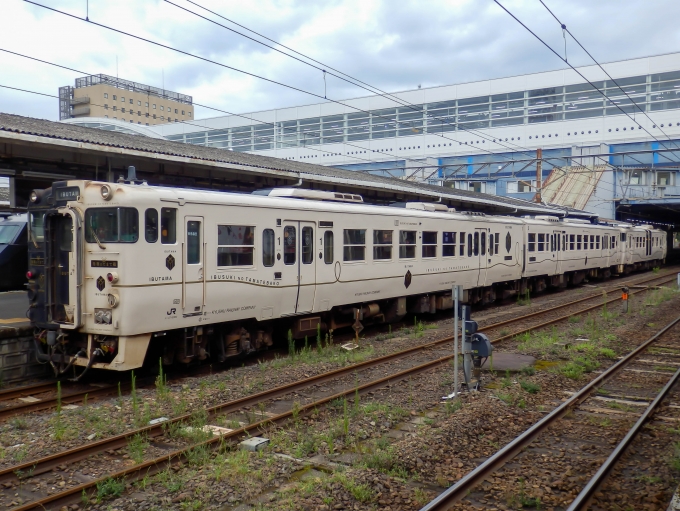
[597,242]
[578,242]
[268,247]
[490,244]
[429,244]
[469,245]
[498,238]
[571,242]
[462,244]
[532,242]
[168,226]
[448,244]
[235,245]
[592,241]
[476,244]
[151,225]
[354,248]
[482,248]
[407,244]
[194,242]
[382,245]
[623,236]
[289,244]
[307,245]
[328,247]
[541,241]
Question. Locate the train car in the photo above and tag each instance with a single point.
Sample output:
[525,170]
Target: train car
[13,250]
[124,271]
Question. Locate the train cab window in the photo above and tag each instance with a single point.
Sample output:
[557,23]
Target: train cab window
[497,242]
[268,247]
[151,225]
[168,226]
[382,245]
[328,247]
[235,245]
[307,245]
[449,244]
[407,244]
[429,244]
[462,243]
[354,245]
[532,242]
[597,242]
[37,226]
[469,245]
[578,242]
[111,225]
[541,242]
[490,244]
[289,245]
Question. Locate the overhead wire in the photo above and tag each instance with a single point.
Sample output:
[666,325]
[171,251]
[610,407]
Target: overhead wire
[580,74]
[564,28]
[205,59]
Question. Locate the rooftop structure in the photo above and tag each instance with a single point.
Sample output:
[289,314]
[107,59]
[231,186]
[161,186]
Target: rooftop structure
[111,97]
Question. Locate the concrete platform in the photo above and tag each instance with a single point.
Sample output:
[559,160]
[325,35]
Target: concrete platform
[508,362]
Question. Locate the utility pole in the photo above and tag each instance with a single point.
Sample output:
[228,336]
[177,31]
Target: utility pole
[539,157]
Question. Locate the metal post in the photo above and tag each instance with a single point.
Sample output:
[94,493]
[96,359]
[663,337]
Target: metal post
[624,297]
[539,174]
[456,344]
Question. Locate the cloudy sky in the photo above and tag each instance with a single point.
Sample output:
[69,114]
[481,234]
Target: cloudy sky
[390,44]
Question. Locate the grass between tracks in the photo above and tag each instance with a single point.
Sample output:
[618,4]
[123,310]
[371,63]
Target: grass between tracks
[587,340]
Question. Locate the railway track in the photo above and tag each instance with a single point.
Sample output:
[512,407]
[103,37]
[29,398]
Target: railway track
[551,435]
[33,398]
[22,473]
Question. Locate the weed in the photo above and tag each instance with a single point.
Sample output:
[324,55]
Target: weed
[291,345]
[521,404]
[604,422]
[506,398]
[675,460]
[656,269]
[109,488]
[453,405]
[574,319]
[420,497]
[136,446]
[345,418]
[319,344]
[524,298]
[507,381]
[19,423]
[58,397]
[530,387]
[162,389]
[528,371]
[607,352]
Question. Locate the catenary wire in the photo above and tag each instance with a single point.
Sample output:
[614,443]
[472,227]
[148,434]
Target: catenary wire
[205,59]
[580,74]
[607,73]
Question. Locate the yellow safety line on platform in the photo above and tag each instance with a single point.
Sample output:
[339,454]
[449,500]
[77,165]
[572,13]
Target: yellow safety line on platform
[13,320]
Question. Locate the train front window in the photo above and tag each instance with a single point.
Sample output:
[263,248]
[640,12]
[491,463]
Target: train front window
[37,226]
[8,233]
[111,225]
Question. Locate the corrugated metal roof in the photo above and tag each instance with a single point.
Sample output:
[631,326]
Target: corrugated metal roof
[296,169]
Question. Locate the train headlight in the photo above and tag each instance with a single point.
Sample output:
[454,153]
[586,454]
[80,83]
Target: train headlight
[34,197]
[106,192]
[112,300]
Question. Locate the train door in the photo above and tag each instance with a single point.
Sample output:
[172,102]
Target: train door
[306,269]
[648,244]
[299,267]
[555,247]
[193,277]
[61,268]
[479,251]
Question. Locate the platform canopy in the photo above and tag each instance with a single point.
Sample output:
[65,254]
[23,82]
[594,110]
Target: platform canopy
[35,152]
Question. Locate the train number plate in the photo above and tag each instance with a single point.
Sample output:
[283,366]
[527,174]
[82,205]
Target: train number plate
[68,193]
[104,264]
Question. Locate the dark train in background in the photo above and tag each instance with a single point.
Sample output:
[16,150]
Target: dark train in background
[13,251]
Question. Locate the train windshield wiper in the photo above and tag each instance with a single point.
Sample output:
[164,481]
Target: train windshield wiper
[96,239]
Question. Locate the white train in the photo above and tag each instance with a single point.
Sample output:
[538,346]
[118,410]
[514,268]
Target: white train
[122,272]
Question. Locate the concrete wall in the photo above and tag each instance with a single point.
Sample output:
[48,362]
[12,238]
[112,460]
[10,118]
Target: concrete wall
[17,356]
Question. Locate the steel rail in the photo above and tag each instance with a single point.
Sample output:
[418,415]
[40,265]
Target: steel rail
[74,397]
[461,489]
[583,499]
[47,463]
[151,467]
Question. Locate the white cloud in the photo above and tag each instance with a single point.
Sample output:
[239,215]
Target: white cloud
[391,45]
